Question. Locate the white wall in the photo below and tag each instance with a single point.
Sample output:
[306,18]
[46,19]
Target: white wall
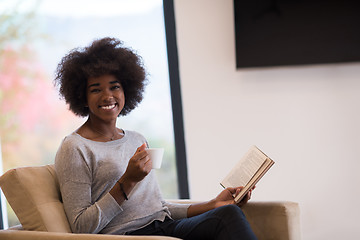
[306,118]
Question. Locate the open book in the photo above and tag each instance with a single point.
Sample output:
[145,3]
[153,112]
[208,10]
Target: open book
[248,171]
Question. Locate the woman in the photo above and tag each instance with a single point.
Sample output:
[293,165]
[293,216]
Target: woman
[105,173]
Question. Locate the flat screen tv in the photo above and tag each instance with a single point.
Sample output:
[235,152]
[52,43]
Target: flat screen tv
[296,32]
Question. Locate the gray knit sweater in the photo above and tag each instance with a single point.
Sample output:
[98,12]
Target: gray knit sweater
[87,170]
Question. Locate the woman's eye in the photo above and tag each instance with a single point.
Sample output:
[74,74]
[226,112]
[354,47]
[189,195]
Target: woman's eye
[94,90]
[115,87]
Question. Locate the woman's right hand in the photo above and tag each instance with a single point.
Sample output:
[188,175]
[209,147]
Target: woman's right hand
[139,166]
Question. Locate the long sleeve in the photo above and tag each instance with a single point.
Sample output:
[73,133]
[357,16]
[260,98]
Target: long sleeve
[85,214]
[177,210]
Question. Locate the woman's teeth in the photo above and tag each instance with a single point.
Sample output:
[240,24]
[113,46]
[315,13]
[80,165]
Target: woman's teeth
[108,107]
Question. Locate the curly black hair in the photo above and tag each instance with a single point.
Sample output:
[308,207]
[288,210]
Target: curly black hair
[103,56]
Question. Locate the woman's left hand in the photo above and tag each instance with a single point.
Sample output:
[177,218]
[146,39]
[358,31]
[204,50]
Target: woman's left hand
[226,197]
[246,198]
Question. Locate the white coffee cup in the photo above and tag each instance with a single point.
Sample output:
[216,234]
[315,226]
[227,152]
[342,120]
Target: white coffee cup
[156,156]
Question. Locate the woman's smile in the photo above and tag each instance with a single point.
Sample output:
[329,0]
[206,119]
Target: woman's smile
[108,107]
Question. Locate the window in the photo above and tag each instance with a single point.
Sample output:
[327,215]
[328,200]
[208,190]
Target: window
[35,35]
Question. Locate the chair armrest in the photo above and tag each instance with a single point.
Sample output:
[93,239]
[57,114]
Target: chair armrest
[274,220]
[270,220]
[39,235]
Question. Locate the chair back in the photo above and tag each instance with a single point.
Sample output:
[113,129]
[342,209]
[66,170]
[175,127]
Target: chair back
[34,195]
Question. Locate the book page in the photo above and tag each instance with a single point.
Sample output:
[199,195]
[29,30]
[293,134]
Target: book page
[245,169]
[259,174]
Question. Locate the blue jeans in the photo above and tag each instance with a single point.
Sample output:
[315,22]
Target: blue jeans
[223,223]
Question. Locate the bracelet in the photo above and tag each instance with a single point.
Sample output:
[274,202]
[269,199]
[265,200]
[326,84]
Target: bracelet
[122,190]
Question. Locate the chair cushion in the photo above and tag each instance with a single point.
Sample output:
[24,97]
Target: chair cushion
[34,195]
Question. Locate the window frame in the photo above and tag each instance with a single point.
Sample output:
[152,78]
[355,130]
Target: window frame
[175,91]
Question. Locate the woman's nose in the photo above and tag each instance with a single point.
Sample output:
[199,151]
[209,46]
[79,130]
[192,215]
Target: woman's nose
[107,96]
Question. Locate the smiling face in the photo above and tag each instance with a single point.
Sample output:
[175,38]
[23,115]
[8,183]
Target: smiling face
[105,98]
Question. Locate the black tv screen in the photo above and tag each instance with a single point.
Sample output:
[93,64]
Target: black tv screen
[296,32]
